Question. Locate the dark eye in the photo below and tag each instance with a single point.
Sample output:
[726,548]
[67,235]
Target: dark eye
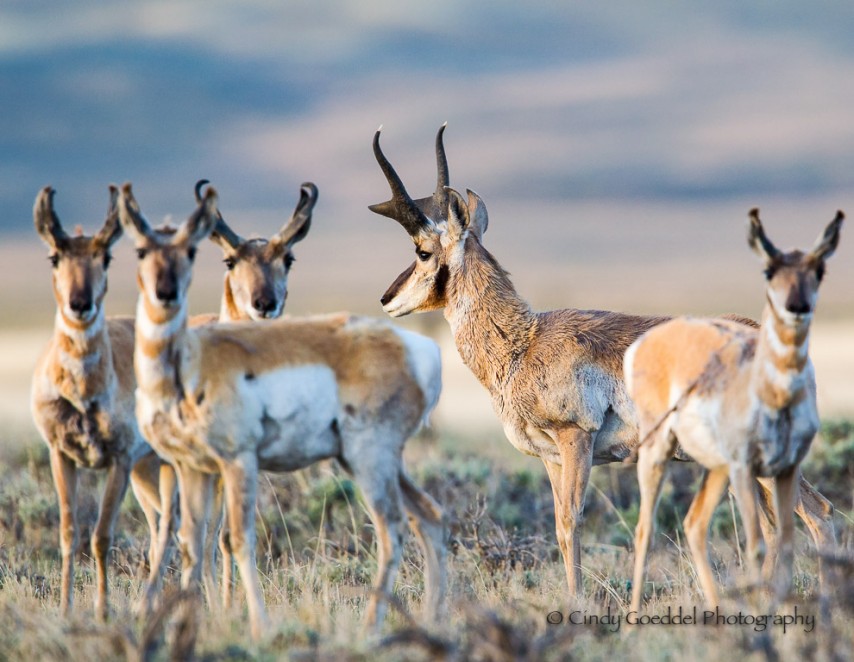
[819,272]
[54,260]
[191,253]
[229,263]
[107,259]
[423,255]
[289,261]
[140,253]
[769,273]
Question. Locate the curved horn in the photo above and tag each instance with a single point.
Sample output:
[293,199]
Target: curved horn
[401,207]
[198,189]
[130,214]
[202,221]
[444,178]
[299,223]
[436,206]
[827,241]
[221,232]
[758,240]
[112,229]
[46,221]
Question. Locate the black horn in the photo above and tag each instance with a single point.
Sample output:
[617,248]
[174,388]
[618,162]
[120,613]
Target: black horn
[436,206]
[221,230]
[402,208]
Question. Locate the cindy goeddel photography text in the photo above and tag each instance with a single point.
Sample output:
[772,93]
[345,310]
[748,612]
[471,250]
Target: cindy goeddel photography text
[692,616]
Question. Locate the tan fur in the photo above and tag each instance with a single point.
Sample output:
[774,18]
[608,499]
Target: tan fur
[740,401]
[555,378]
[206,406]
[83,391]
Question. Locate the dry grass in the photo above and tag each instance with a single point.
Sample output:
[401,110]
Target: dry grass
[317,558]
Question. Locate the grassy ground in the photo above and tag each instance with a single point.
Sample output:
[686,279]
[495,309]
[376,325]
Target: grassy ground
[317,557]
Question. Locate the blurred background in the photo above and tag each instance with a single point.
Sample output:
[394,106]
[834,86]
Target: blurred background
[618,147]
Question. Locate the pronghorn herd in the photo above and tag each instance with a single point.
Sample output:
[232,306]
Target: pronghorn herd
[189,410]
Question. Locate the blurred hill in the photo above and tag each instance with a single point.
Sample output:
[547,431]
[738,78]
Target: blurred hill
[549,104]
[618,146]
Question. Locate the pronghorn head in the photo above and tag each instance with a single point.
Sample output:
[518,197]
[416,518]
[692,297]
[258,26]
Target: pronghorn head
[166,254]
[80,262]
[256,283]
[793,276]
[439,225]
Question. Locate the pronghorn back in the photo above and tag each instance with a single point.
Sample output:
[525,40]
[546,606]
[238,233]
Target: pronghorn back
[370,359]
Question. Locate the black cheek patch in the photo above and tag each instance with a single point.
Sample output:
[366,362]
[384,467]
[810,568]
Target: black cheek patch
[442,281]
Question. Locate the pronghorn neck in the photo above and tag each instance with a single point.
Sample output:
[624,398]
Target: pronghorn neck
[84,367]
[780,362]
[162,348]
[492,325]
[228,310]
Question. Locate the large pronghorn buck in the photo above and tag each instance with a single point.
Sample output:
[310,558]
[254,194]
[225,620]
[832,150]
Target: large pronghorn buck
[739,401]
[255,287]
[83,391]
[232,399]
[556,378]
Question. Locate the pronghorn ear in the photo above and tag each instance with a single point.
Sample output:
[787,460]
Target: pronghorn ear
[758,240]
[201,222]
[299,224]
[130,216]
[112,230]
[458,214]
[827,241]
[46,221]
[478,218]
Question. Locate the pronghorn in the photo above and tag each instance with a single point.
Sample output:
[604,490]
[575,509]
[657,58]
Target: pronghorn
[83,392]
[255,287]
[555,378]
[256,280]
[232,399]
[739,401]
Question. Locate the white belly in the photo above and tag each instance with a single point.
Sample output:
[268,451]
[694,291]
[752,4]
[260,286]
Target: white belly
[291,416]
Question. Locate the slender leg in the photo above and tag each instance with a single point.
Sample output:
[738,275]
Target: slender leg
[768,524]
[194,492]
[65,480]
[428,523]
[569,482]
[167,487]
[652,467]
[144,479]
[817,513]
[812,507]
[224,542]
[241,484]
[744,489]
[214,534]
[787,489]
[102,538]
[697,527]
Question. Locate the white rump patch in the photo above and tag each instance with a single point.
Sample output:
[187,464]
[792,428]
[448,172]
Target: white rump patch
[425,362]
[628,364]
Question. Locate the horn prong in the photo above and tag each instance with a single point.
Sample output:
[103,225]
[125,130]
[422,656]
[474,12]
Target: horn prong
[401,207]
